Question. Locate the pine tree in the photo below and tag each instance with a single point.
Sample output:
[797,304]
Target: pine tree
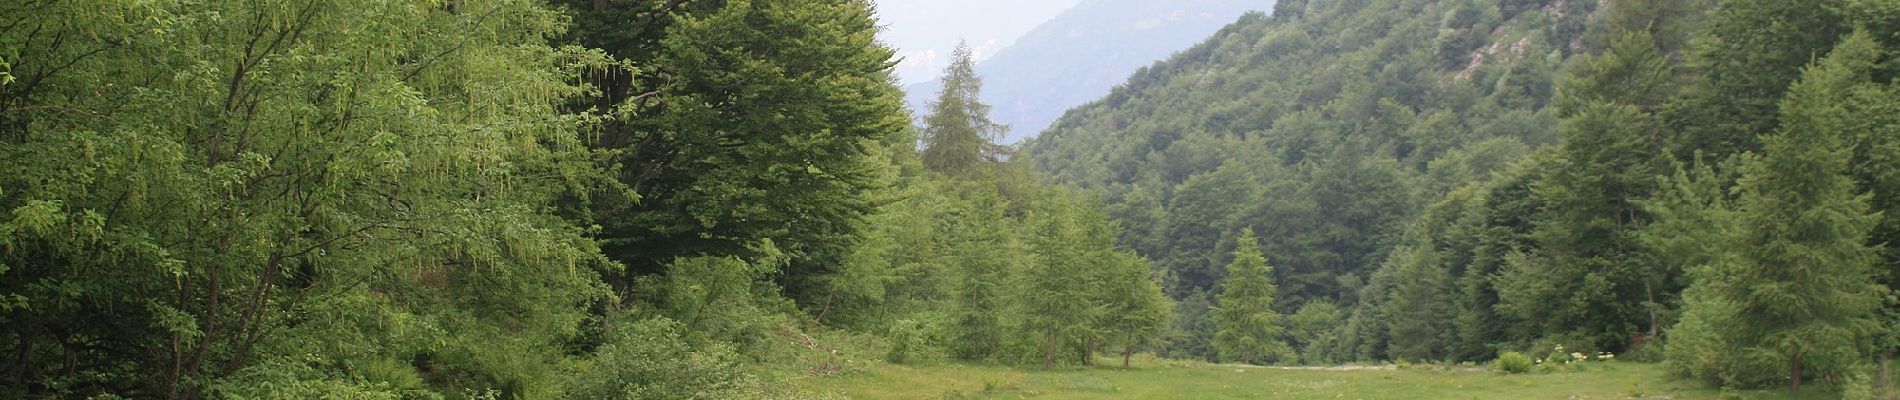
[1247,329]
[1418,311]
[1590,280]
[1101,273]
[1749,54]
[1876,166]
[1799,279]
[958,135]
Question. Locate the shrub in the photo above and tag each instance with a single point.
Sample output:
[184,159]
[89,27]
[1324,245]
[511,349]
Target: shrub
[1514,362]
[649,359]
[905,338]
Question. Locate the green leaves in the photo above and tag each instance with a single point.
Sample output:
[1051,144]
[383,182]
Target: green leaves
[196,183]
[742,121]
[1247,327]
[958,136]
[1793,286]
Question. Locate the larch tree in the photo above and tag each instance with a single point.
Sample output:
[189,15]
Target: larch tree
[988,251]
[1137,312]
[1247,329]
[1054,293]
[958,135]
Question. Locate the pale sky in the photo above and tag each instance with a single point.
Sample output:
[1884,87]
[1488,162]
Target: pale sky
[924,31]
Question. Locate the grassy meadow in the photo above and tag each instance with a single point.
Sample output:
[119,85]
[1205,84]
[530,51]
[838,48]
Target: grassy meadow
[1163,379]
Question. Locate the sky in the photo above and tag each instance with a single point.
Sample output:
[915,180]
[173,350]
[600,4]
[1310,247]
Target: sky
[925,31]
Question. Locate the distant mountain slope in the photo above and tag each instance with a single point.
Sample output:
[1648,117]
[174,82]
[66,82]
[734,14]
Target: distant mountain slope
[1325,128]
[1082,53]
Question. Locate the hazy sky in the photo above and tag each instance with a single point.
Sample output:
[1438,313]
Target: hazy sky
[924,31]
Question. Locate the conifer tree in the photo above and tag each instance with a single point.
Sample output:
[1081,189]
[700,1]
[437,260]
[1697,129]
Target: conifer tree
[1750,52]
[1054,297]
[986,254]
[958,135]
[1247,329]
[1135,311]
[1100,275]
[1417,313]
[1590,279]
[1798,281]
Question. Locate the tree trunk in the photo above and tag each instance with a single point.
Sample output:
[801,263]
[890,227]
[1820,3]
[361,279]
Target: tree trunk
[1794,368]
[1049,350]
[1088,352]
[1886,374]
[1654,325]
[826,309]
[1128,352]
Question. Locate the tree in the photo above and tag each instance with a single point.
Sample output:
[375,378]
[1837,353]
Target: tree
[275,199]
[1247,329]
[958,135]
[1312,330]
[989,251]
[1419,310]
[1798,286]
[1592,281]
[1191,335]
[1136,312]
[736,121]
[1748,55]
[1055,299]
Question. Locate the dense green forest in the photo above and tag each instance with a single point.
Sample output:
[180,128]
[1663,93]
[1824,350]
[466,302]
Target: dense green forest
[511,199]
[531,199]
[1709,184]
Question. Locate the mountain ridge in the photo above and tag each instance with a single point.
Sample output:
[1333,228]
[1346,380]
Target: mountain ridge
[1082,53]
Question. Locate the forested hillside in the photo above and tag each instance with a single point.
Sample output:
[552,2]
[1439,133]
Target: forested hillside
[1082,53]
[1325,128]
[673,199]
[1447,180]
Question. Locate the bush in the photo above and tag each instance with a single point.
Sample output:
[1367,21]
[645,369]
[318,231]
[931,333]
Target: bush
[1514,362]
[649,359]
[905,338]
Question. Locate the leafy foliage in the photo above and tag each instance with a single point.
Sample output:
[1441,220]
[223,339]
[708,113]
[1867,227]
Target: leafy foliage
[1246,327]
[316,195]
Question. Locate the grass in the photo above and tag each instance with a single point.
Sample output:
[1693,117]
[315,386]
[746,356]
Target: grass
[1164,379]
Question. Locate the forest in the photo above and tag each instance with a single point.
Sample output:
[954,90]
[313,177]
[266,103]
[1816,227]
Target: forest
[720,199]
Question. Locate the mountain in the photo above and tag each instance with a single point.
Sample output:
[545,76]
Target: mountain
[1326,128]
[1082,53]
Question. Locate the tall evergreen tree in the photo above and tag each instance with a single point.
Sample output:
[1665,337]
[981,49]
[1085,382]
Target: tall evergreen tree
[1591,280]
[1750,52]
[1876,165]
[958,136]
[1799,281]
[1418,312]
[1247,329]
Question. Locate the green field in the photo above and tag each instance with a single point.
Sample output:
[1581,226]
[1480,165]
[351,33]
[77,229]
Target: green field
[1182,380]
